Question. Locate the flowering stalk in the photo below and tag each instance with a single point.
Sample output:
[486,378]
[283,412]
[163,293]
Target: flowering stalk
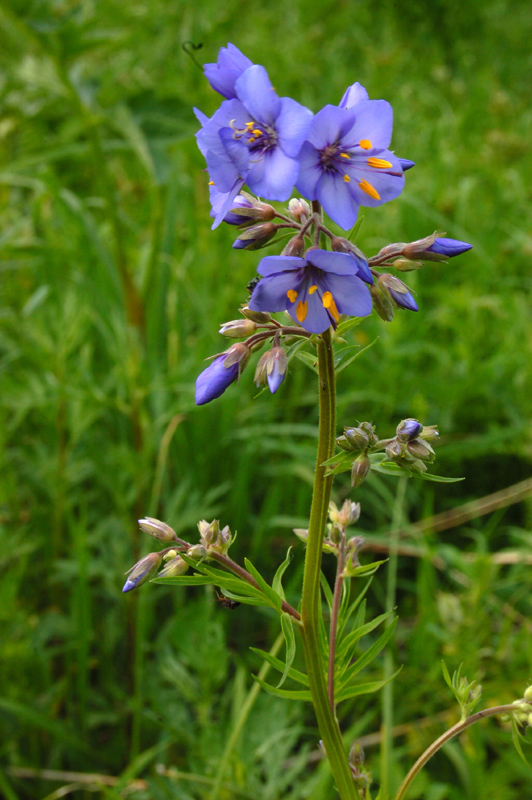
[445,737]
[310,605]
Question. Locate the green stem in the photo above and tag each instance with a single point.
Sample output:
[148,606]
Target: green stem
[387,692]
[311,605]
[445,737]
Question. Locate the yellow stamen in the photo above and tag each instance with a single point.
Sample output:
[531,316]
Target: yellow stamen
[301,311]
[369,189]
[257,132]
[211,183]
[249,124]
[312,289]
[365,144]
[379,163]
[292,295]
[251,139]
[344,155]
[347,179]
[330,305]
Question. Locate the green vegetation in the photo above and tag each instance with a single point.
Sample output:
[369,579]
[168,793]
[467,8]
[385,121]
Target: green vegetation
[111,289]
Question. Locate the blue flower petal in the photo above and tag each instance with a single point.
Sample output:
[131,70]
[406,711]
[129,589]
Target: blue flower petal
[373,121]
[293,124]
[449,247]
[223,75]
[275,379]
[310,171]
[214,380]
[273,176]
[255,91]
[330,125]
[353,95]
[270,293]
[271,265]
[351,295]
[337,200]
[338,263]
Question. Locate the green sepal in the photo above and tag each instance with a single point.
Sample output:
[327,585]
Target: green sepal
[276,663]
[286,694]
[290,639]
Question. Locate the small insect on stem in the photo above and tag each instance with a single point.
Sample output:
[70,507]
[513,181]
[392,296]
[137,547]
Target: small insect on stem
[226,602]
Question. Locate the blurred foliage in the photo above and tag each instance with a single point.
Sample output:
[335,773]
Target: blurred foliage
[111,288]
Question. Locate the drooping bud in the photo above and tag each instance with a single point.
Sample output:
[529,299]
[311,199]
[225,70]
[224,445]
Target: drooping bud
[301,533]
[341,245]
[252,209]
[255,237]
[408,429]
[421,449]
[398,291]
[208,531]
[198,552]
[238,328]
[394,450]
[294,247]
[221,373]
[369,429]
[360,470]
[382,302]
[335,534]
[159,530]
[276,368]
[177,566]
[260,317]
[429,433]
[299,208]
[334,514]
[142,571]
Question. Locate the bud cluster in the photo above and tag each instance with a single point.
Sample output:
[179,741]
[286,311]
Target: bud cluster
[362,439]
[335,538]
[410,446]
[212,540]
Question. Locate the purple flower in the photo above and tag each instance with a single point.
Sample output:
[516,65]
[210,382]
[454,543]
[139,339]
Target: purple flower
[345,162]
[221,373]
[218,201]
[408,430]
[406,163]
[223,75]
[314,290]
[449,247]
[254,138]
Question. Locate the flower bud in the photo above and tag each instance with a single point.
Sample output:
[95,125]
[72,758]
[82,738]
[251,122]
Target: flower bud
[198,552]
[369,429]
[341,245]
[169,555]
[221,373]
[249,208]
[356,755]
[142,571]
[276,368]
[528,694]
[301,533]
[406,265]
[208,531]
[420,449]
[429,433]
[398,291]
[335,534]
[334,514]
[177,566]
[408,429]
[238,328]
[394,450]
[382,302]
[159,530]
[298,208]
[349,513]
[434,248]
[360,470]
[357,437]
[294,247]
[260,317]
[255,237]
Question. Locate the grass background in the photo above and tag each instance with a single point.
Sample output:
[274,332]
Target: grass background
[112,286]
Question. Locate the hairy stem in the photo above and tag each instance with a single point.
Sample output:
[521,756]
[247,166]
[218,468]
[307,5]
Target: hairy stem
[334,618]
[310,605]
[445,737]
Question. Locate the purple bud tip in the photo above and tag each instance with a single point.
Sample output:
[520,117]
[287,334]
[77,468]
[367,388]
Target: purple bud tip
[129,585]
[240,244]
[275,379]
[449,247]
[411,427]
[406,164]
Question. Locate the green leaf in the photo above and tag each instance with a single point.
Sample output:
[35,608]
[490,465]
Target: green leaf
[326,589]
[277,585]
[350,640]
[308,359]
[516,737]
[379,464]
[370,654]
[343,455]
[363,688]
[353,233]
[290,639]
[287,694]
[295,348]
[275,599]
[279,665]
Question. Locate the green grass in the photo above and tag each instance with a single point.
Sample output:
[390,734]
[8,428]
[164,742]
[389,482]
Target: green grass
[111,289]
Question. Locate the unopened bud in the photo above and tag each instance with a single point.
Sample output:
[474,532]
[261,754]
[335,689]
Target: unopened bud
[356,755]
[420,449]
[208,531]
[169,555]
[198,552]
[399,291]
[394,450]
[349,513]
[177,566]
[253,209]
[260,317]
[301,533]
[334,514]
[406,265]
[360,470]
[294,247]
[382,303]
[429,433]
[528,694]
[298,208]
[408,429]
[335,533]
[255,237]
[238,328]
[159,530]
[357,437]
[142,571]
[239,354]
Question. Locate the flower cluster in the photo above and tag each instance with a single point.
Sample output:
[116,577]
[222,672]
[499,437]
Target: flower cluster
[339,159]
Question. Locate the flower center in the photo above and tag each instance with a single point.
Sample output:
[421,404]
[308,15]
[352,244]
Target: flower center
[258,137]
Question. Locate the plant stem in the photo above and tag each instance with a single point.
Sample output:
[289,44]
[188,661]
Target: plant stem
[334,618]
[445,737]
[311,605]
[387,692]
